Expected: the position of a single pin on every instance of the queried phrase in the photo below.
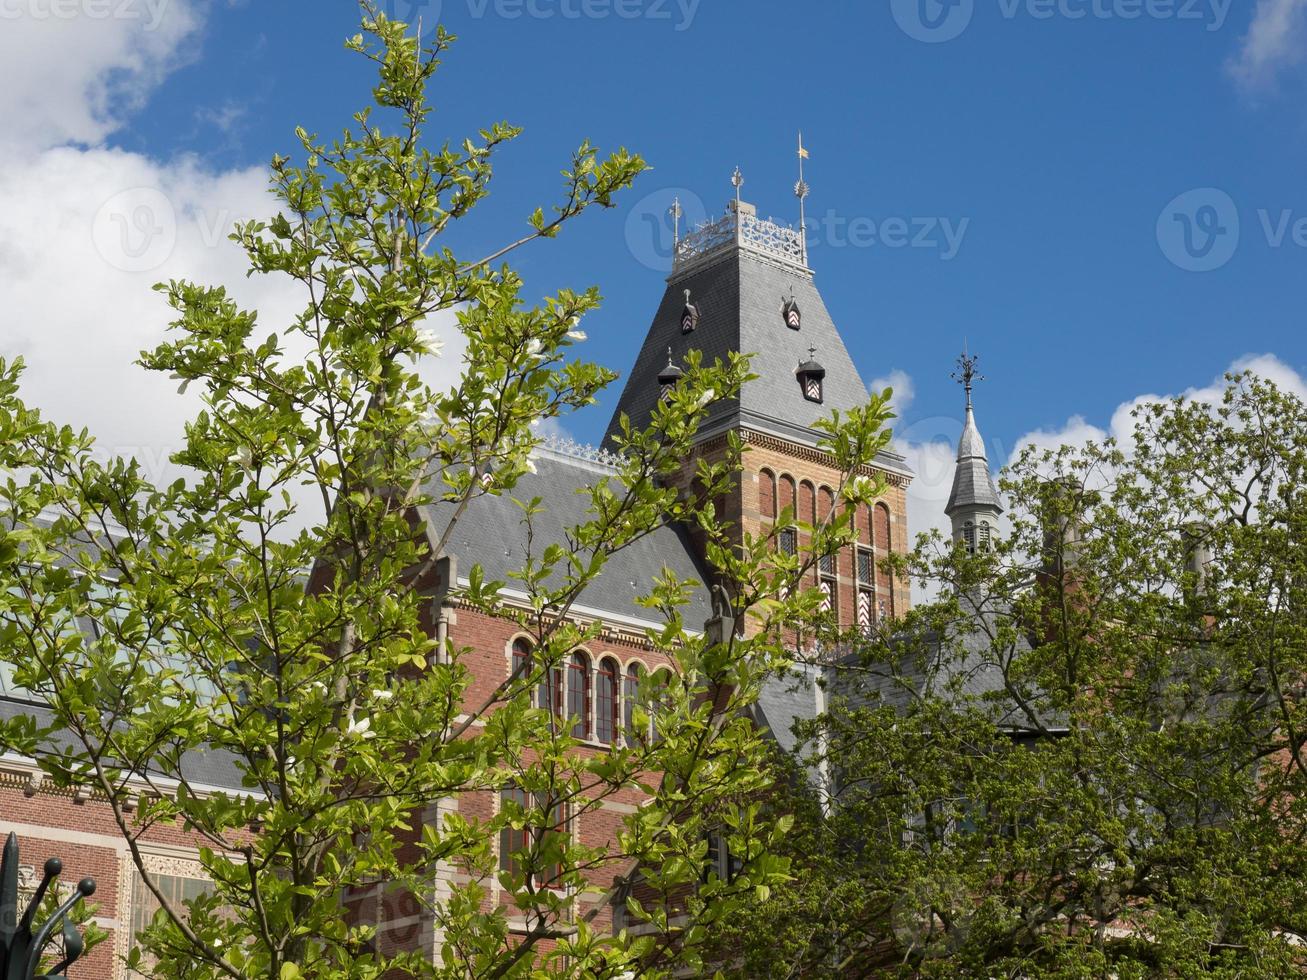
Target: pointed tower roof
(750, 290)
(973, 484)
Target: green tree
(1086, 758)
(269, 606)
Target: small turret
(973, 505)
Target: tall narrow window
(969, 537)
(866, 587)
(630, 698)
(884, 583)
(512, 842)
(555, 826)
(550, 696)
(521, 660)
(767, 494)
(578, 695)
(788, 539)
(519, 850)
(658, 701)
(828, 596)
(606, 701)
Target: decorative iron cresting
(22, 943)
(561, 446)
(763, 236)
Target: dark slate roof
(739, 294)
(492, 533)
(214, 769)
(785, 700)
(973, 484)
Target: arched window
(578, 695)
(630, 698)
(884, 541)
(788, 537)
(658, 703)
(767, 494)
(607, 700)
(969, 537)
(982, 536)
(550, 694)
(807, 511)
(521, 659)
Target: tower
(742, 283)
(973, 504)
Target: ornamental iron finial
(801, 190)
(21, 949)
(966, 374)
(677, 213)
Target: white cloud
(73, 72)
(1275, 40)
(1077, 431)
(86, 229)
(904, 391)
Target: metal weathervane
(22, 943)
(966, 374)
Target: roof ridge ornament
(569, 447)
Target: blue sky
(1067, 146)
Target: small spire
(676, 213)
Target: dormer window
(791, 314)
(811, 376)
(689, 315)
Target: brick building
(739, 284)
